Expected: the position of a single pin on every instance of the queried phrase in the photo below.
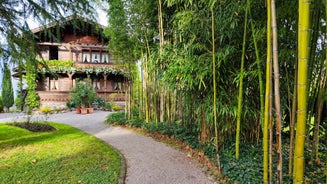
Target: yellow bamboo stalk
(267, 98)
(303, 56)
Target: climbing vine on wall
(64, 66)
(31, 100)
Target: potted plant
(75, 101)
(83, 95)
(90, 95)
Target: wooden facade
(82, 42)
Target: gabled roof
(64, 21)
(74, 24)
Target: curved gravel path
(148, 161)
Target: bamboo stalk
(292, 123)
(303, 56)
(262, 95)
(267, 98)
(277, 95)
(214, 86)
(240, 92)
(161, 88)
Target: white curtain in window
(86, 58)
(104, 58)
(95, 57)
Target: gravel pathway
(148, 161)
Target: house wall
(64, 54)
(54, 93)
(44, 53)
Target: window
(86, 57)
(95, 58)
(105, 58)
(53, 53)
(117, 85)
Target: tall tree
(303, 57)
(7, 90)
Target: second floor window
(95, 57)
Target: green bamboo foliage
(267, 98)
(303, 56)
(240, 92)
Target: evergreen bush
(1, 105)
(7, 91)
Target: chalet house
(76, 52)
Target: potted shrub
(75, 101)
(90, 95)
(83, 96)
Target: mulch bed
(35, 127)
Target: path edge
(123, 167)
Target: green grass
(63, 156)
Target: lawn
(66, 155)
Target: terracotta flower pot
(83, 111)
(90, 110)
(78, 110)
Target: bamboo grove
(235, 72)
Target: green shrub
(135, 123)
(116, 118)
(69, 104)
(108, 106)
(116, 108)
(99, 102)
(7, 90)
(45, 110)
(18, 102)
